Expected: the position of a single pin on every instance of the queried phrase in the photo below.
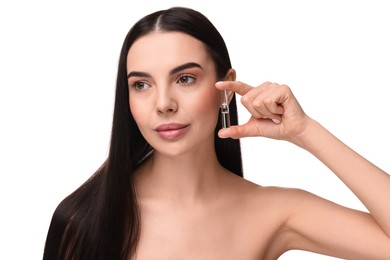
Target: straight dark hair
(100, 220)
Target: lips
(171, 130)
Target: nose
(166, 101)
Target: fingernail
(221, 133)
(218, 83)
(276, 121)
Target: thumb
(237, 131)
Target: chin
(169, 150)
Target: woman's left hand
(275, 111)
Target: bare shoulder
(264, 212)
(268, 203)
(255, 194)
(281, 203)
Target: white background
(58, 64)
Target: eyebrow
(172, 72)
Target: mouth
(171, 130)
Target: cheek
(207, 106)
(137, 111)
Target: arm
(369, 183)
(319, 225)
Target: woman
(172, 186)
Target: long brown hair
(100, 220)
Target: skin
(193, 208)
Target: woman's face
(172, 96)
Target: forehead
(166, 49)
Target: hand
(275, 111)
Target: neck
(191, 176)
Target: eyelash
(135, 86)
(192, 78)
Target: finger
(276, 111)
(257, 103)
(235, 86)
(274, 101)
(248, 99)
(268, 107)
(237, 131)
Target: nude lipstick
(171, 131)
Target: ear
(230, 76)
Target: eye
(140, 85)
(186, 80)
